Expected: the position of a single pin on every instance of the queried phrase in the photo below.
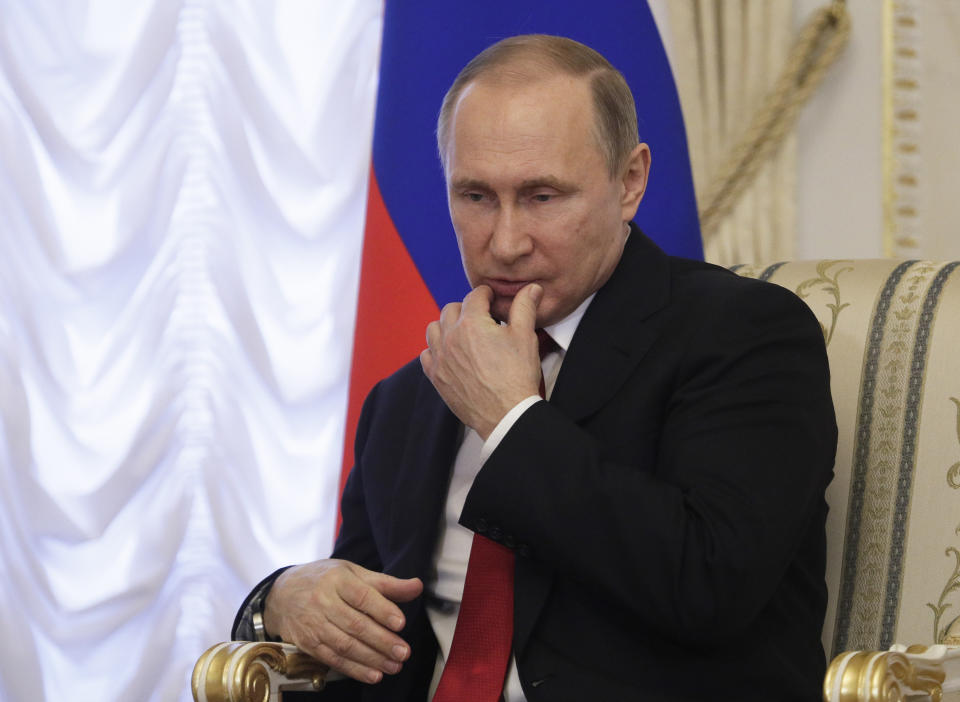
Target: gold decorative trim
(888, 676)
(950, 632)
(953, 584)
(886, 127)
(881, 454)
(953, 472)
(901, 74)
(241, 671)
(831, 286)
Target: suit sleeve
(355, 541)
(692, 534)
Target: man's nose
(509, 240)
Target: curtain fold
(181, 211)
(727, 55)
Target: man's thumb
(523, 309)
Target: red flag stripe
(394, 307)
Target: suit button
(495, 534)
(523, 550)
(509, 541)
(481, 526)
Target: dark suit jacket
(666, 506)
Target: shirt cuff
(500, 431)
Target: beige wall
(840, 191)
(839, 174)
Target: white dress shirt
(452, 551)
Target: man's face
(530, 195)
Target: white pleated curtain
(726, 56)
(182, 189)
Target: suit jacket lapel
(610, 341)
(613, 337)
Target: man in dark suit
(662, 514)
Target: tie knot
(546, 343)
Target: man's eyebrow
(469, 184)
(546, 182)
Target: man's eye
(475, 197)
(542, 197)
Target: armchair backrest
(893, 338)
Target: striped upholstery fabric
(893, 337)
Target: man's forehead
(522, 122)
(527, 111)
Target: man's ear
(634, 180)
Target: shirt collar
(562, 332)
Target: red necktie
(476, 669)
(546, 344)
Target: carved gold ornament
(889, 676)
(242, 671)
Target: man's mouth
(507, 288)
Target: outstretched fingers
(353, 643)
(344, 616)
(358, 637)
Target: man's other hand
(482, 368)
(342, 615)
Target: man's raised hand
(342, 615)
(482, 368)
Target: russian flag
(411, 265)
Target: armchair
(892, 330)
(893, 566)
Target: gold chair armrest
(243, 671)
(902, 673)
